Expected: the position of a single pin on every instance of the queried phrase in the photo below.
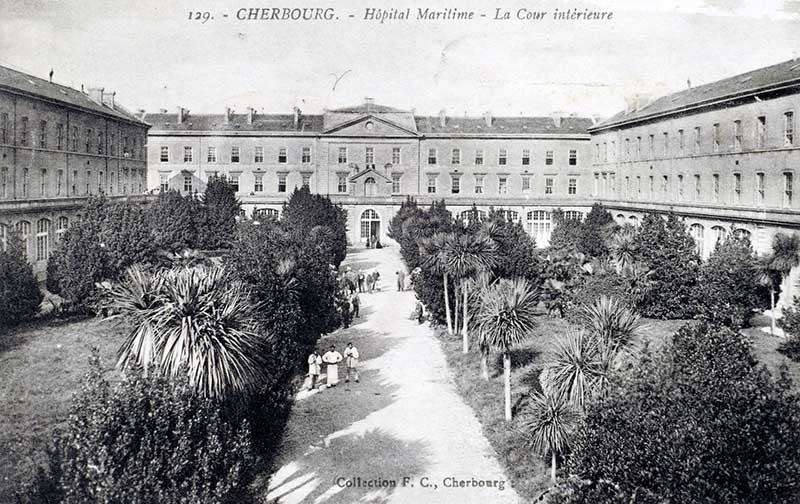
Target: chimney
(96, 94)
(250, 113)
(556, 116)
(487, 117)
(442, 118)
(228, 115)
(162, 111)
(296, 118)
(109, 98)
(689, 83)
(369, 101)
(182, 112)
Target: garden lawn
(529, 473)
(41, 366)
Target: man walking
(332, 358)
(351, 359)
(314, 365)
(356, 302)
(360, 281)
(401, 280)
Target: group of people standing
(331, 359)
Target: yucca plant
(433, 255)
(507, 318)
(574, 368)
(623, 248)
(549, 425)
(193, 320)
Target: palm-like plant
(433, 253)
(193, 320)
(507, 317)
(466, 256)
(574, 370)
(549, 426)
(623, 249)
(477, 286)
(770, 278)
(785, 256)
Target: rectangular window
(573, 157)
(75, 138)
(651, 147)
(281, 182)
(526, 157)
(715, 184)
(234, 181)
(572, 187)
(101, 183)
(627, 149)
(479, 156)
(596, 188)
(100, 143)
(737, 135)
(282, 156)
(23, 134)
(43, 183)
(715, 139)
(342, 155)
(613, 150)
(680, 187)
(759, 188)
(761, 132)
(59, 136)
(548, 158)
(432, 184)
(478, 184)
(258, 154)
(638, 187)
(638, 148)
(665, 186)
(369, 156)
(306, 180)
(396, 156)
(502, 185)
(456, 185)
(212, 154)
(89, 181)
(526, 183)
(43, 134)
(342, 184)
(187, 183)
(697, 140)
(650, 190)
(432, 156)
(548, 185)
(305, 156)
(112, 146)
(4, 128)
(455, 157)
(737, 187)
(788, 128)
(164, 154)
(681, 141)
(59, 182)
(88, 141)
(258, 185)
(697, 187)
(395, 183)
(502, 157)
(235, 153)
(788, 189)
(666, 145)
(4, 182)
(187, 154)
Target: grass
(41, 366)
(528, 471)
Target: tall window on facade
(680, 187)
(61, 227)
(395, 183)
(455, 157)
(258, 154)
(478, 184)
(761, 132)
(665, 146)
(478, 156)
(281, 182)
(100, 143)
(112, 145)
(306, 180)
(697, 187)
(369, 157)
(187, 184)
(788, 128)
(88, 141)
(4, 182)
(572, 187)
(697, 231)
(212, 154)
(282, 155)
(25, 182)
(502, 157)
(235, 153)
(75, 138)
(163, 182)
(502, 185)
(305, 156)
(342, 185)
(526, 183)
(548, 158)
(573, 157)
(42, 239)
(613, 151)
(342, 155)
(788, 188)
(548, 185)
(23, 133)
(651, 147)
(737, 135)
(597, 152)
(59, 136)
(24, 233)
(638, 187)
(715, 186)
(759, 188)
(697, 140)
(455, 188)
(187, 154)
(258, 184)
(526, 157)
(665, 186)
(638, 148)
(737, 187)
(715, 139)
(539, 226)
(43, 183)
(432, 157)
(234, 182)
(74, 185)
(396, 156)
(89, 181)
(432, 185)
(650, 190)
(4, 134)
(101, 183)
(681, 142)
(43, 134)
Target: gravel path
(401, 435)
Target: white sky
(154, 58)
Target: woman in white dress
(332, 358)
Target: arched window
(633, 220)
(510, 215)
(42, 239)
(620, 219)
(743, 233)
(718, 232)
(3, 236)
(370, 224)
(24, 232)
(473, 216)
(370, 188)
(539, 226)
(573, 215)
(697, 231)
(61, 227)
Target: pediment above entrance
(370, 125)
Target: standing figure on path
(314, 365)
(332, 358)
(401, 280)
(360, 281)
(351, 359)
(377, 280)
(356, 302)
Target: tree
(19, 292)
(506, 318)
(220, 208)
(174, 221)
(595, 231)
(433, 253)
(193, 320)
(549, 425)
(785, 256)
(564, 237)
(574, 369)
(305, 211)
(700, 421)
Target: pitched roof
(237, 122)
(504, 125)
(28, 84)
(762, 79)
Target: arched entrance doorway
(370, 188)
(370, 225)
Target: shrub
(565, 233)
(592, 287)
(701, 422)
(174, 221)
(305, 211)
(145, 439)
(19, 292)
(595, 231)
(218, 217)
